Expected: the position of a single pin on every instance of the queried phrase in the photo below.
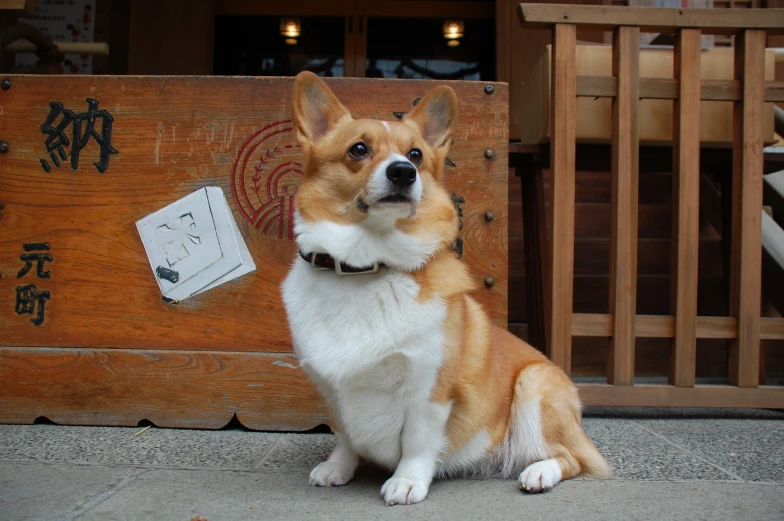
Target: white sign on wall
(64, 21)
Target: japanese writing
(83, 129)
(29, 299)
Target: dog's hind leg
(546, 434)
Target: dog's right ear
(315, 109)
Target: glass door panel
(279, 46)
(415, 48)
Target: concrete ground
(669, 464)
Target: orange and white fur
(416, 377)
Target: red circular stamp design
(265, 177)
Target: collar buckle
(339, 270)
(313, 258)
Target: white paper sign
(194, 244)
(64, 21)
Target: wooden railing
(749, 91)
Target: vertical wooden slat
(360, 46)
(562, 151)
(503, 40)
(625, 181)
(350, 45)
(747, 208)
(685, 207)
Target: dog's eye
(358, 151)
(415, 156)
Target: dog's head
(371, 190)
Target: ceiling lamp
(453, 29)
(290, 28)
(453, 43)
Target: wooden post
(685, 207)
(625, 182)
(562, 151)
(745, 295)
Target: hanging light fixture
(453, 29)
(290, 28)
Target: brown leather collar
(327, 262)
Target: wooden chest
(85, 337)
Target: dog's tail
(591, 461)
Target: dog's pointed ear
(315, 109)
(436, 117)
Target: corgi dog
(416, 377)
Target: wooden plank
(18, 7)
(653, 326)
(63, 47)
(652, 19)
(771, 328)
(765, 397)
(656, 65)
(746, 262)
(179, 389)
(666, 88)
(175, 135)
(625, 182)
(663, 326)
(685, 208)
(562, 158)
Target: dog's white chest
(370, 346)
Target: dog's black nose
(401, 173)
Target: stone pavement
(669, 464)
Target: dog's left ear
(315, 109)
(436, 117)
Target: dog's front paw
(540, 476)
(331, 474)
(403, 491)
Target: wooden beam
(764, 397)
(379, 8)
(685, 207)
(625, 182)
(663, 326)
(746, 262)
(667, 88)
(63, 47)
(289, 8)
(430, 9)
(562, 161)
(652, 19)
